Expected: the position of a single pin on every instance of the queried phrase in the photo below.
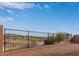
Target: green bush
(34, 40)
(60, 36)
(49, 41)
(56, 38)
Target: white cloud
(2, 8)
(6, 18)
(17, 5)
(9, 18)
(30, 5)
(38, 6)
(11, 5)
(46, 6)
(22, 5)
(9, 11)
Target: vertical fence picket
(48, 35)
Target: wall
(1, 38)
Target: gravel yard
(49, 50)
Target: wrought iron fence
(17, 39)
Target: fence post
(28, 39)
(48, 36)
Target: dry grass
(49, 50)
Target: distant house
(75, 39)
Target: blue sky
(41, 16)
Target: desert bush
(49, 41)
(34, 40)
(60, 36)
(56, 38)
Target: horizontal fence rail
(20, 39)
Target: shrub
(34, 40)
(59, 37)
(49, 41)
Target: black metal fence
(17, 39)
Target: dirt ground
(49, 50)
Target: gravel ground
(49, 50)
